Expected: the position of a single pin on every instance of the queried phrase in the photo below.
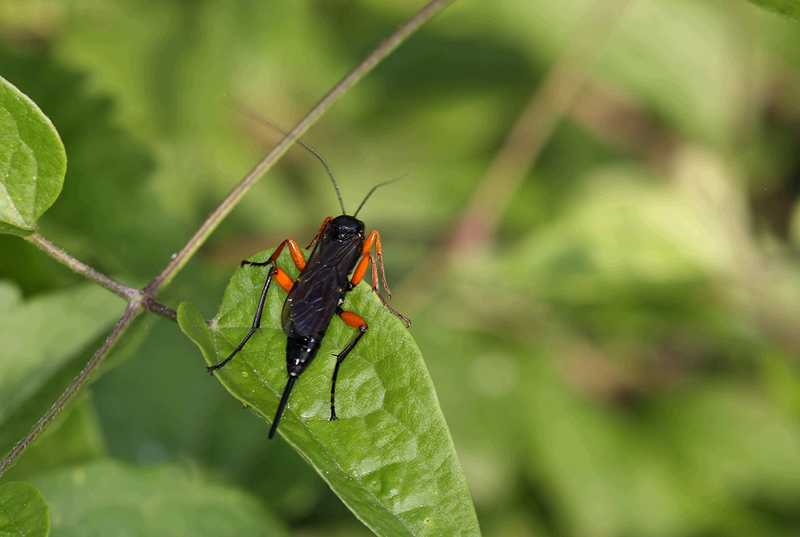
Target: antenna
(376, 187)
(264, 120)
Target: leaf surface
(23, 511)
(108, 497)
(389, 457)
(32, 161)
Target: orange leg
(294, 250)
(355, 321)
(375, 238)
(370, 241)
(283, 279)
(320, 231)
(361, 269)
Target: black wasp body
(319, 291)
(340, 248)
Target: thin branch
(154, 306)
(131, 312)
(81, 268)
(202, 234)
(120, 289)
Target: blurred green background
(613, 331)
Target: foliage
(23, 511)
(617, 357)
(33, 161)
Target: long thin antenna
(376, 187)
(264, 120)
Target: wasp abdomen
(300, 352)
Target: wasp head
(346, 227)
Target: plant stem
(81, 268)
(205, 230)
(120, 289)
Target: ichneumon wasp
(341, 248)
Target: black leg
(255, 263)
(256, 321)
(362, 329)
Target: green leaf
(32, 161)
(389, 457)
(165, 500)
(41, 335)
(23, 511)
(787, 8)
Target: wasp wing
(313, 300)
(311, 303)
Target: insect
(341, 248)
